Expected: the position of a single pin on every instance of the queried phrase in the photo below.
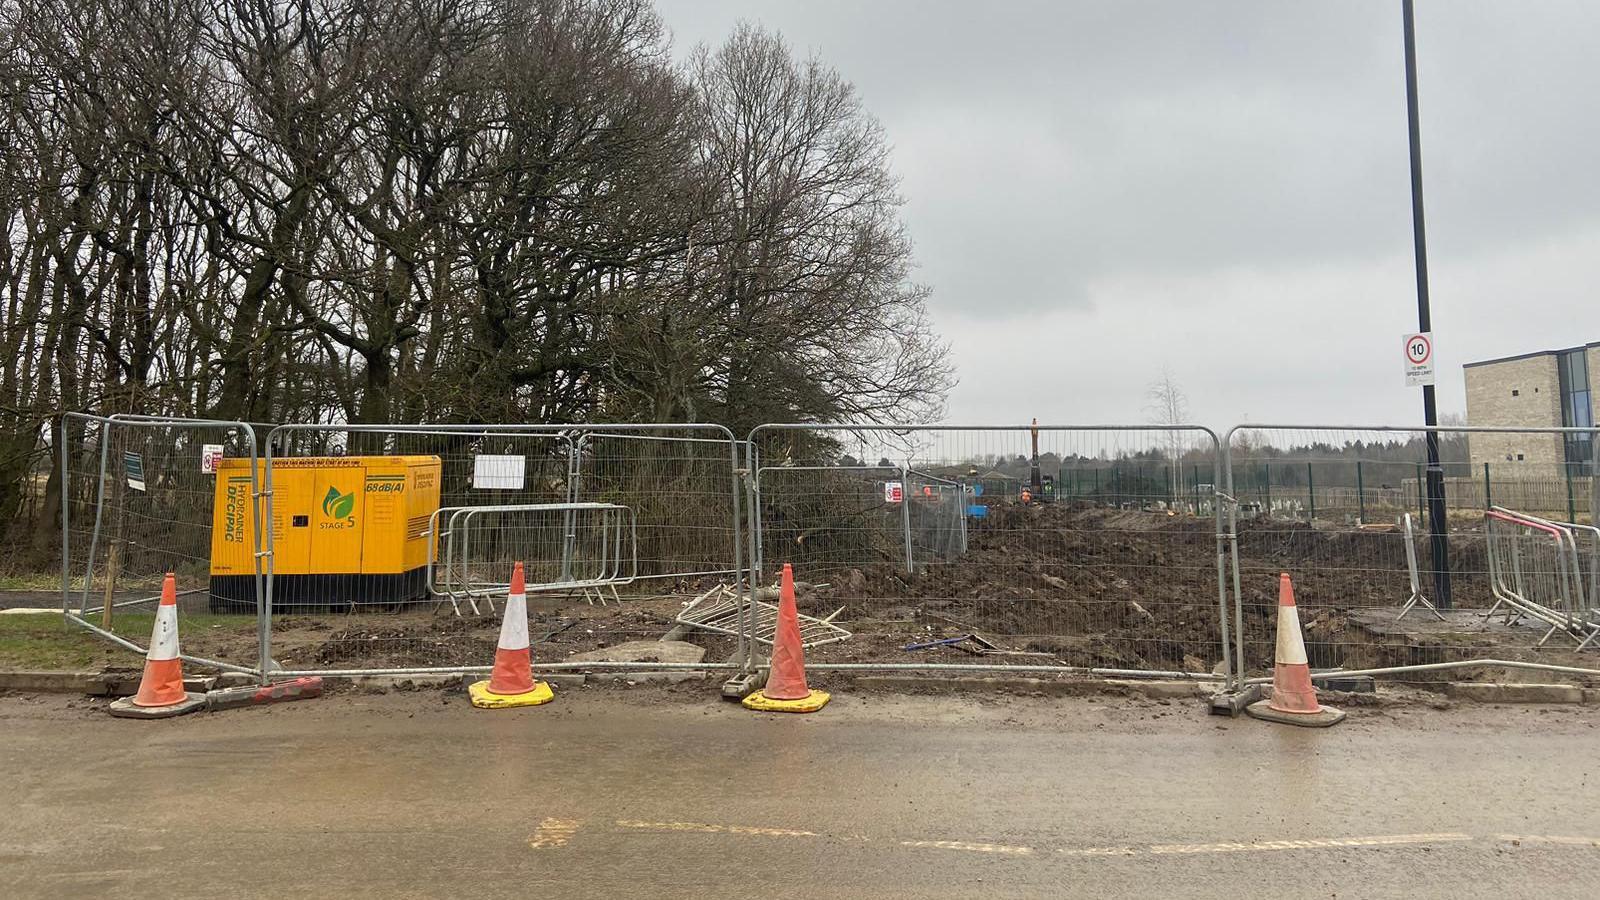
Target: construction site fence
(1382, 587)
(137, 502)
(1105, 549)
(592, 512)
(1024, 547)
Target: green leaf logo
(338, 506)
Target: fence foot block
(741, 686)
(1233, 703)
(256, 695)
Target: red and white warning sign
(893, 492)
(1419, 358)
(210, 455)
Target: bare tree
(1167, 404)
(805, 278)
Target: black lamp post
(1438, 527)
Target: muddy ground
(1038, 585)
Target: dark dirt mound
(1139, 589)
(1085, 586)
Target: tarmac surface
(657, 792)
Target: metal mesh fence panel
(392, 546)
(678, 483)
(966, 546)
(1327, 505)
(144, 497)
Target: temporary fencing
(329, 548)
(956, 547)
(1535, 572)
(1335, 506)
(590, 512)
(141, 498)
(592, 548)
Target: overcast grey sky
(1098, 189)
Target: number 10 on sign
(1419, 358)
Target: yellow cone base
(483, 698)
(1263, 710)
(127, 709)
(811, 702)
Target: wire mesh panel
(382, 534)
(951, 545)
(1586, 542)
(678, 482)
(1328, 506)
(936, 515)
(144, 497)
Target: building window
(1519, 456)
(1514, 392)
(1576, 411)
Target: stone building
(1544, 389)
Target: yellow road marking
(705, 828)
(969, 845)
(1386, 840)
(553, 833)
(1562, 840)
(1098, 851)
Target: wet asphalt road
(651, 793)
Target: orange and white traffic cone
(1294, 697)
(161, 692)
(511, 681)
(786, 689)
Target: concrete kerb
(114, 683)
(1522, 693)
(919, 684)
(108, 683)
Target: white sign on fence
(893, 492)
(133, 465)
(1419, 358)
(210, 455)
(498, 473)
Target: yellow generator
(346, 531)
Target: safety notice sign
(210, 455)
(1419, 358)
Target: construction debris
(718, 610)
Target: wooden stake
(113, 559)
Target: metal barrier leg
(1415, 600)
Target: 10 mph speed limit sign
(1419, 358)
